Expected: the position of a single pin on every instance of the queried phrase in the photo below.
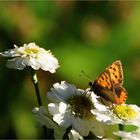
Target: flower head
(30, 55)
(72, 107)
(118, 114)
(133, 135)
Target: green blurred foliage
(83, 35)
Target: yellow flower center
(28, 52)
(80, 106)
(124, 112)
(31, 51)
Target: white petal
(59, 118)
(62, 107)
(133, 135)
(43, 118)
(66, 88)
(102, 116)
(63, 120)
(67, 120)
(81, 127)
(52, 96)
(100, 106)
(53, 108)
(15, 63)
(135, 107)
(93, 97)
(73, 135)
(61, 91)
(135, 122)
(97, 128)
(48, 62)
(34, 64)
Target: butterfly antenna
(86, 75)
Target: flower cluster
(82, 110)
(72, 112)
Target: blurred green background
(86, 36)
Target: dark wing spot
(102, 77)
(114, 69)
(106, 76)
(109, 84)
(115, 76)
(106, 80)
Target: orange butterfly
(109, 84)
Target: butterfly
(109, 84)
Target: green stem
(65, 137)
(121, 128)
(35, 82)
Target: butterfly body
(109, 84)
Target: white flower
(118, 114)
(71, 107)
(31, 55)
(134, 135)
(43, 118)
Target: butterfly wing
(116, 72)
(103, 87)
(120, 95)
(104, 81)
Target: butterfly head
(91, 84)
